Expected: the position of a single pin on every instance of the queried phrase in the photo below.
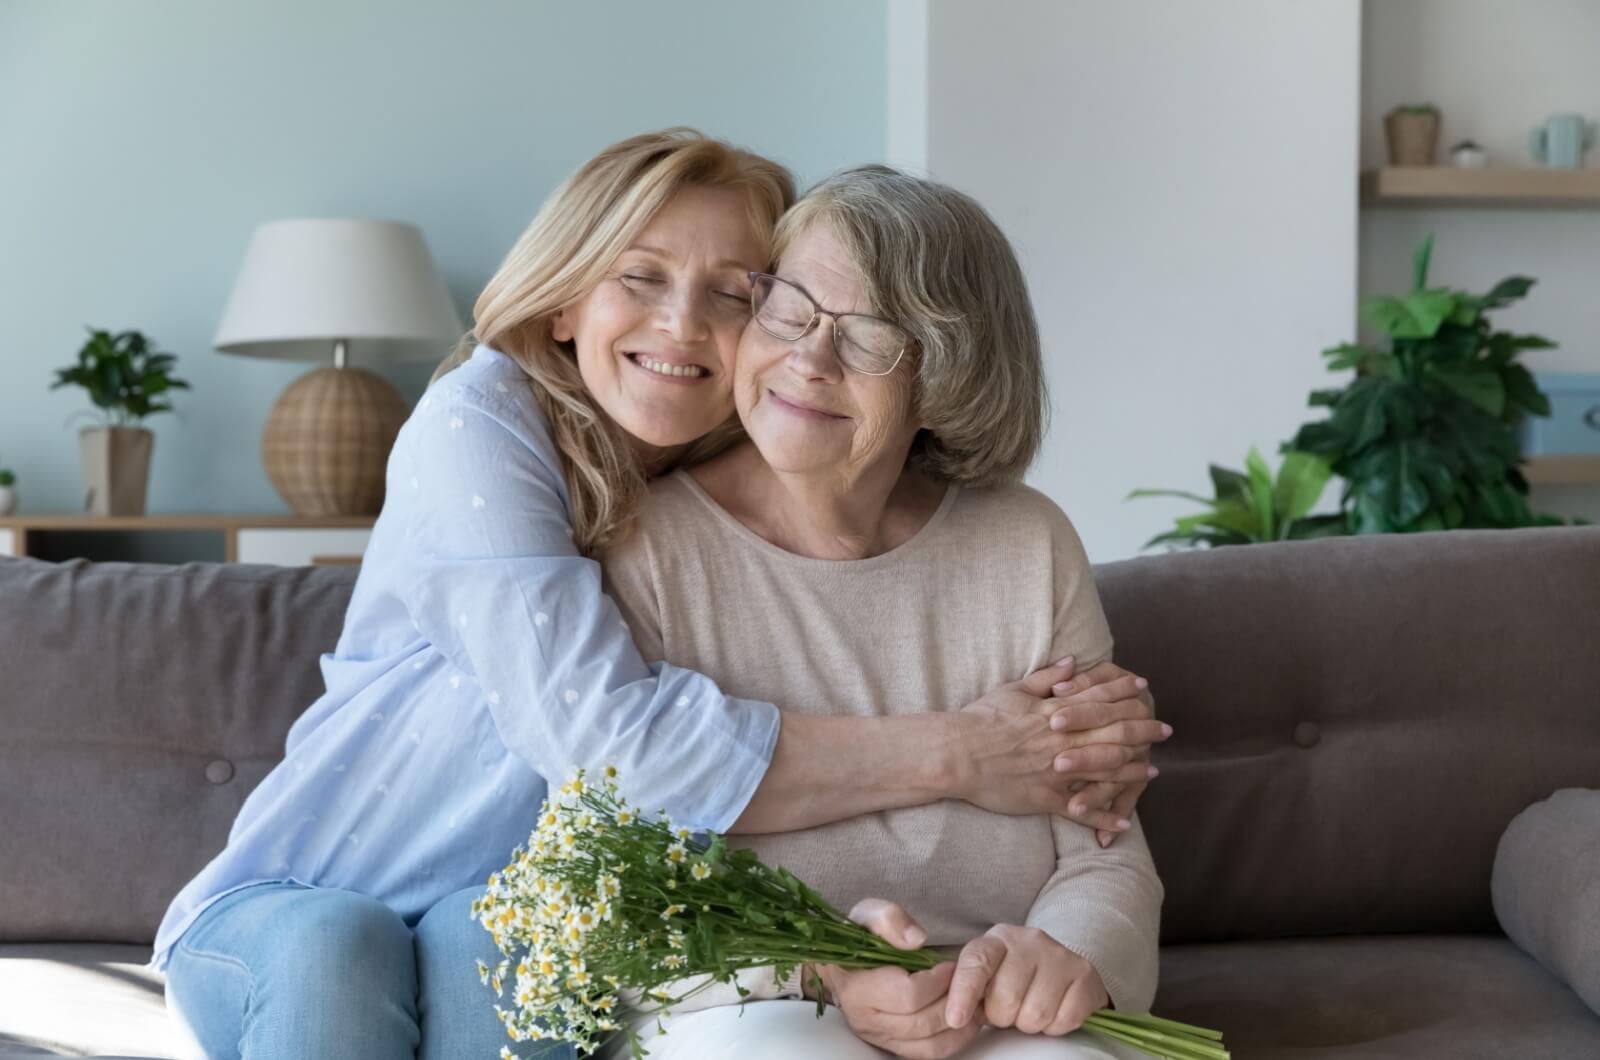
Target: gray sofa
(1358, 722)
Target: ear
(561, 326)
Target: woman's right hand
(897, 1011)
(1008, 759)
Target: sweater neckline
(748, 537)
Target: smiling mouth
(666, 369)
(806, 411)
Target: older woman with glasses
(870, 544)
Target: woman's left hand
(1023, 978)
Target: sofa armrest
(1546, 887)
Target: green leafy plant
(1250, 507)
(124, 374)
(7, 478)
(1425, 434)
(1416, 108)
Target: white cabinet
(296, 547)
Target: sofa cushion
(1395, 997)
(1355, 720)
(81, 999)
(141, 704)
(1546, 887)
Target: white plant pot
(8, 499)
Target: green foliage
(1425, 433)
(7, 478)
(124, 374)
(1251, 507)
(1417, 108)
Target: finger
(1128, 733)
(1040, 682)
(1095, 761)
(979, 960)
(1009, 986)
(1128, 686)
(1122, 806)
(1042, 1003)
(945, 1043)
(1098, 674)
(1081, 1001)
(925, 1021)
(890, 922)
(1070, 715)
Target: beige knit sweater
(994, 586)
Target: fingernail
(1075, 809)
(916, 936)
(1141, 682)
(1061, 688)
(1152, 772)
(958, 1018)
(1058, 724)
(1166, 730)
(1103, 840)
(1066, 661)
(1124, 824)
(1063, 765)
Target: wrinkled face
(656, 339)
(806, 411)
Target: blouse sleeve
(491, 578)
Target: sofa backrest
(1357, 720)
(139, 705)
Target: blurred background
(1181, 181)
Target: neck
(834, 516)
(657, 459)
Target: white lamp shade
(307, 283)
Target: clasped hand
(1011, 976)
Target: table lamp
(314, 290)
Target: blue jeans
(280, 971)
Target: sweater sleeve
(492, 579)
(1103, 905)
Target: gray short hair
(935, 262)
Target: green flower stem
(1160, 1043)
(1148, 1020)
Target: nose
(682, 317)
(813, 356)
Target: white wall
(1180, 182)
(1494, 69)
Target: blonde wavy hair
(935, 262)
(563, 255)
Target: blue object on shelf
(1573, 427)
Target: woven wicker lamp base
(327, 441)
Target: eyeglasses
(865, 344)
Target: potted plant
(1425, 433)
(1413, 134)
(8, 492)
(125, 377)
(1251, 507)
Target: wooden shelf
(1503, 188)
(1562, 470)
(287, 539)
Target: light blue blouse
(479, 657)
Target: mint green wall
(140, 144)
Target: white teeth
(690, 371)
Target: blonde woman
(479, 655)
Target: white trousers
(790, 1030)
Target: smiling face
(656, 339)
(804, 410)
